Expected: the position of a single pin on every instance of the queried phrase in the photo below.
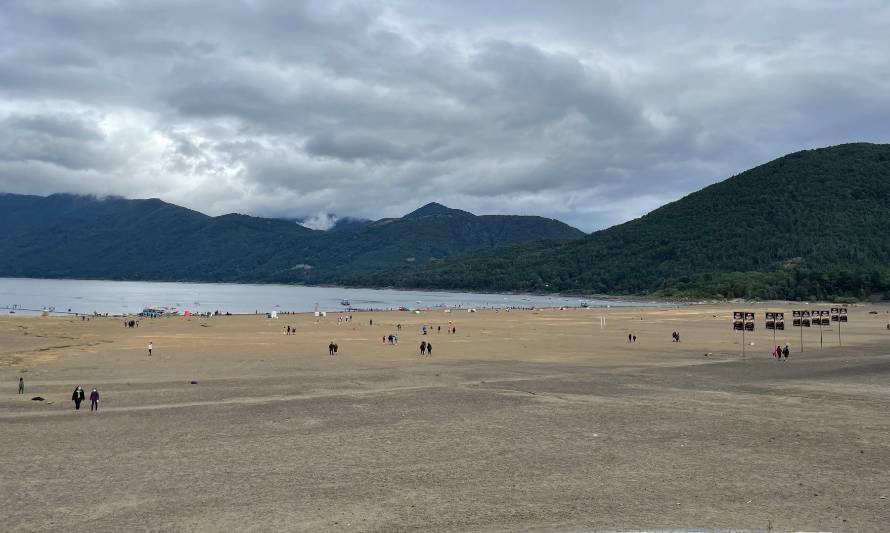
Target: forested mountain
(68, 236)
(350, 224)
(814, 223)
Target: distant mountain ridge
(812, 224)
(435, 209)
(350, 224)
(70, 236)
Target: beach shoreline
(525, 420)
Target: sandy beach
(520, 421)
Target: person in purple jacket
(77, 397)
(94, 400)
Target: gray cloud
(351, 147)
(65, 141)
(588, 112)
(59, 126)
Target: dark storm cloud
(589, 112)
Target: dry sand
(524, 420)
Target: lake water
(130, 297)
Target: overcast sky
(592, 112)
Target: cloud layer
(590, 112)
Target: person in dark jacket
(78, 397)
(429, 349)
(423, 348)
(94, 400)
(21, 385)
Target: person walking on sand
(785, 351)
(94, 400)
(150, 348)
(429, 349)
(21, 385)
(78, 397)
(331, 348)
(423, 348)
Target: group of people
(676, 336)
(631, 337)
(78, 397)
(425, 329)
(332, 348)
(779, 352)
(131, 323)
(290, 330)
(426, 348)
(391, 339)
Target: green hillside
(814, 223)
(65, 236)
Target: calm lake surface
(126, 297)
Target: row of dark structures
(744, 320)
